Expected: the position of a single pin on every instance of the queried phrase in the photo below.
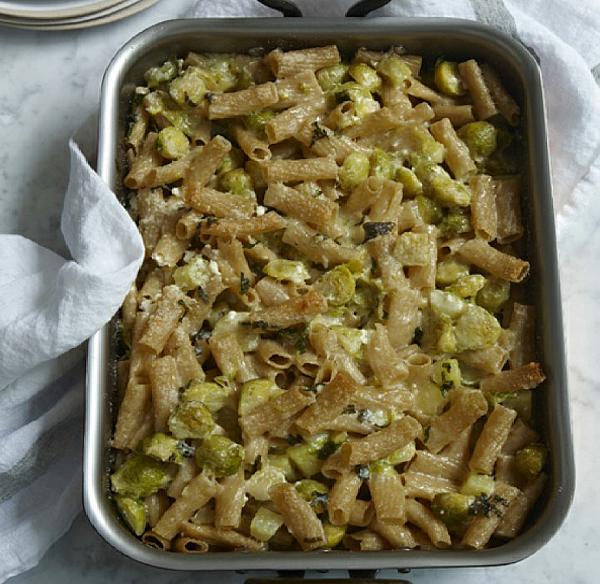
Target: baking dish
(455, 39)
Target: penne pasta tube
(298, 516)
(525, 377)
(472, 77)
(195, 495)
(495, 262)
(382, 443)
(245, 101)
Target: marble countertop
(49, 87)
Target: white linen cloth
(50, 305)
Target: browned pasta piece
(492, 438)
(522, 325)
(243, 228)
(294, 311)
(466, 407)
(195, 495)
(525, 377)
(508, 209)
(483, 526)
(425, 486)
(503, 100)
(153, 540)
(132, 412)
(361, 513)
(308, 169)
(389, 368)
(459, 115)
(316, 246)
(380, 121)
(165, 383)
(330, 402)
(186, 472)
(288, 123)
(228, 538)
(472, 77)
(398, 536)
(245, 101)
(517, 512)
(203, 164)
(285, 64)
(275, 411)
(495, 262)
(520, 435)
(190, 545)
(254, 147)
(299, 516)
(484, 217)
(211, 202)
(300, 205)
(365, 541)
(143, 163)
(230, 500)
(342, 497)
(490, 360)
(294, 90)
(421, 516)
(387, 494)
(457, 155)
(381, 444)
(169, 310)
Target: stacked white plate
(66, 14)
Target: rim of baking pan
(98, 507)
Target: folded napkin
(50, 305)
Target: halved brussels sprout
(255, 393)
(189, 86)
(331, 77)
(480, 138)
(446, 374)
(163, 74)
(256, 121)
(264, 524)
(447, 78)
(365, 76)
(452, 508)
(494, 295)
(172, 143)
(315, 493)
(237, 181)
(394, 70)
(220, 455)
(530, 460)
(382, 164)
(476, 329)
(450, 270)
(478, 484)
(292, 271)
(412, 185)
(133, 512)
(354, 170)
(191, 419)
(333, 534)
(163, 447)
(467, 286)
(337, 286)
(212, 395)
(140, 476)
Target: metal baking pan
(457, 39)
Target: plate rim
(89, 8)
(77, 24)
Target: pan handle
(288, 8)
(364, 7)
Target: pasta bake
(329, 345)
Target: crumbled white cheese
(260, 210)
(214, 268)
(176, 192)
